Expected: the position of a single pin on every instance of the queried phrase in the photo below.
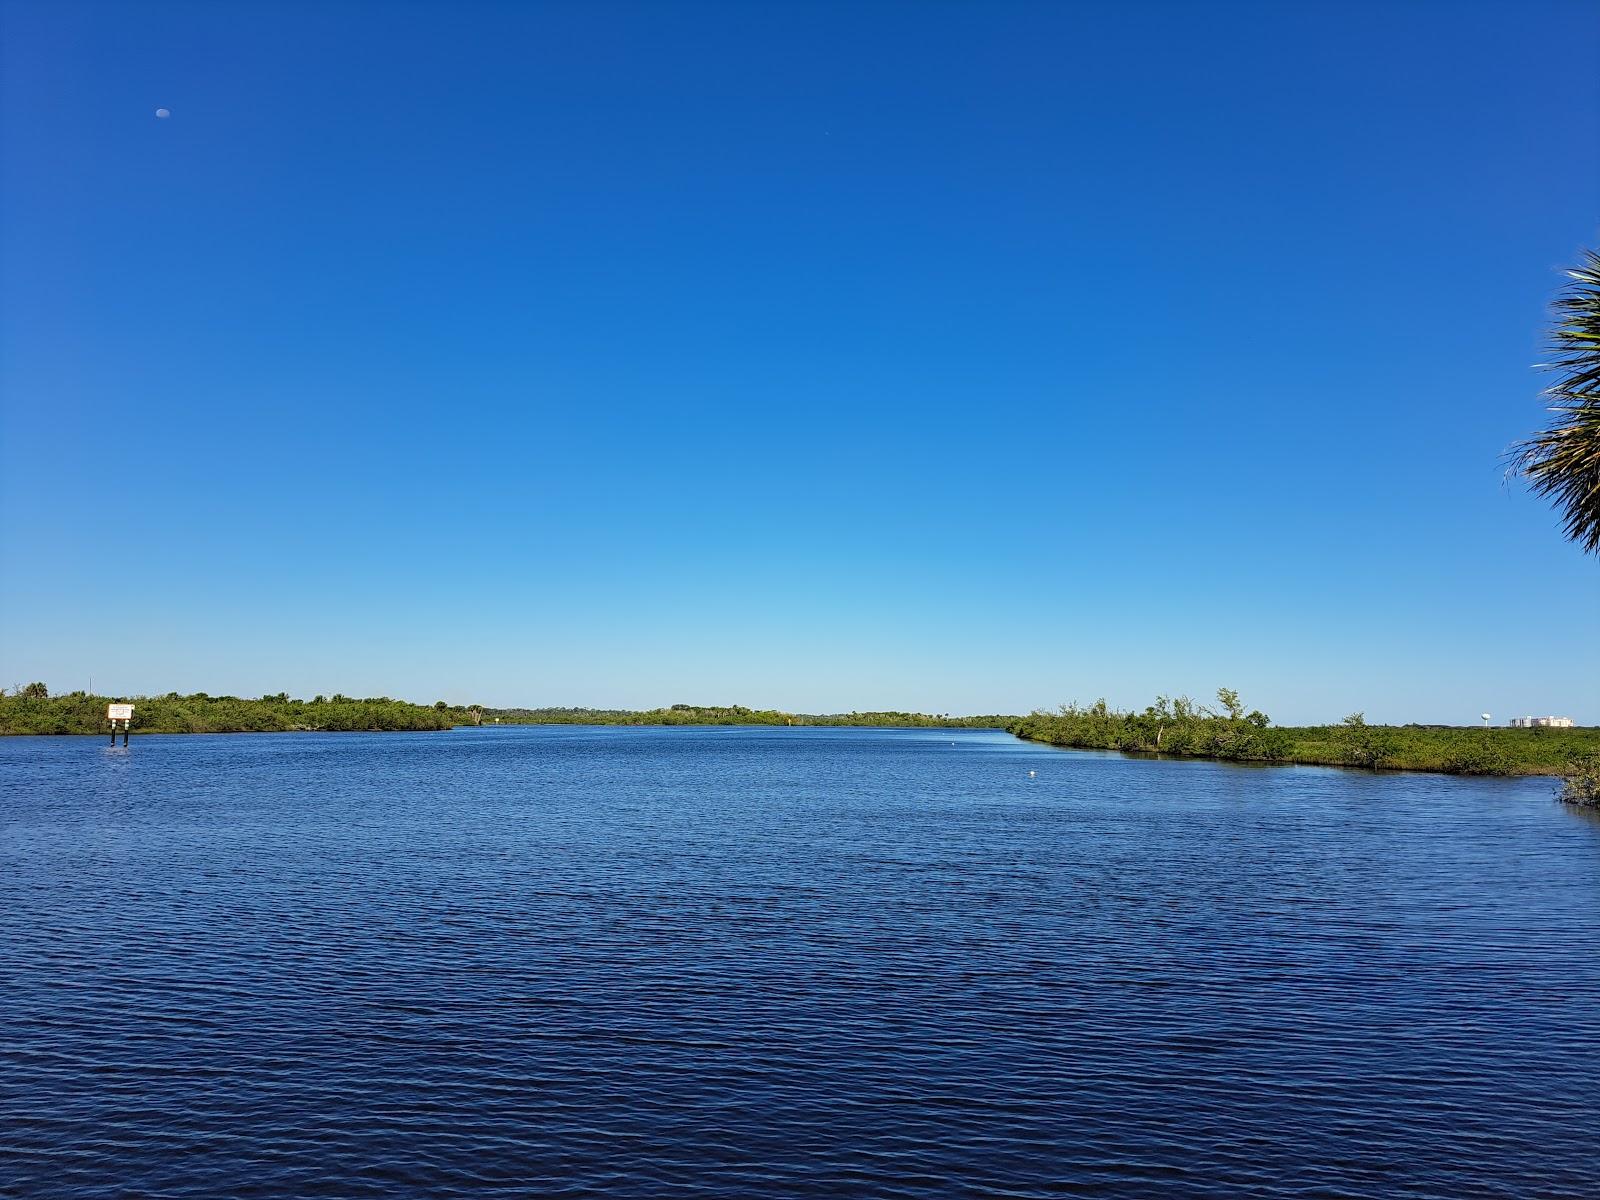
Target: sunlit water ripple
(712, 962)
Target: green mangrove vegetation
(1183, 728)
(32, 709)
(1171, 726)
(733, 714)
(1581, 786)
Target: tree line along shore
(1177, 727)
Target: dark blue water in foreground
(711, 962)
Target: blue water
(769, 962)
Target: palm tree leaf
(1562, 461)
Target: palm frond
(1562, 462)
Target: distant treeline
(1178, 727)
(1182, 727)
(731, 714)
(32, 709)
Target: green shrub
(1582, 785)
(1477, 757)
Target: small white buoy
(163, 113)
(1031, 774)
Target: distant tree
(1563, 461)
(1229, 699)
(35, 691)
(440, 705)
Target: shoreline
(1170, 728)
(1545, 772)
(1507, 771)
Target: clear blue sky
(952, 357)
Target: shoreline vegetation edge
(1170, 728)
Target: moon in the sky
(163, 113)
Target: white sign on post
(119, 712)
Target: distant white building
(1541, 722)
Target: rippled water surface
(772, 962)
